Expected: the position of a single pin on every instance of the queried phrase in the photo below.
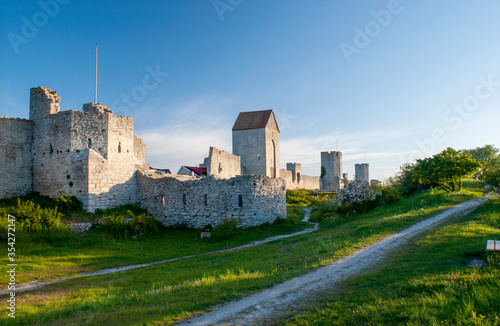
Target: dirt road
(281, 298)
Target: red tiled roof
(196, 170)
(253, 120)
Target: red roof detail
(196, 170)
(254, 120)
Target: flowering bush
(357, 197)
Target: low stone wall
(195, 203)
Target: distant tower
(362, 172)
(331, 171)
(256, 141)
(296, 169)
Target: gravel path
(280, 299)
(33, 285)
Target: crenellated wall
(180, 200)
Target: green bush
(491, 177)
(65, 204)
(113, 225)
(305, 197)
(130, 210)
(137, 227)
(227, 228)
(143, 225)
(32, 218)
(69, 204)
(298, 197)
(357, 197)
(390, 194)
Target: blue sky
(390, 81)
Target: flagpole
(95, 89)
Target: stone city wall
(16, 173)
(294, 181)
(199, 202)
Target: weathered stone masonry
(196, 202)
(95, 155)
(16, 172)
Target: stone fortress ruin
(95, 155)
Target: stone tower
(93, 153)
(331, 171)
(256, 141)
(296, 169)
(362, 172)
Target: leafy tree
(488, 154)
(492, 178)
(445, 170)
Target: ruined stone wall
(223, 165)
(58, 166)
(139, 149)
(16, 162)
(195, 203)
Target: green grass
(165, 293)
(427, 282)
(67, 255)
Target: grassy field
(166, 293)
(74, 254)
(427, 282)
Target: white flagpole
(95, 89)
